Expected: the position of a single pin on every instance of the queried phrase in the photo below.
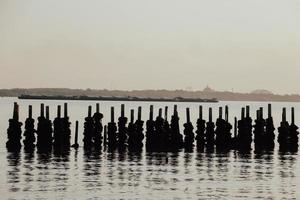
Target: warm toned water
(102, 175)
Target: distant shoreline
(152, 94)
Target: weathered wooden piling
(139, 135)
(270, 136)
(188, 132)
(66, 131)
(44, 131)
(98, 127)
(76, 145)
(210, 129)
(222, 132)
(122, 129)
(151, 136)
(29, 131)
(176, 139)
(200, 132)
(161, 139)
(112, 130)
(244, 138)
(14, 132)
(259, 130)
(89, 128)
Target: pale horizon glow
(151, 44)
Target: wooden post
(47, 113)
(261, 112)
(42, 110)
(220, 112)
(132, 116)
(112, 114)
(243, 113)
(65, 110)
(258, 114)
(226, 113)
(58, 111)
(166, 113)
(210, 114)
(235, 127)
(175, 110)
(160, 112)
(269, 110)
(97, 107)
(293, 115)
(16, 112)
(90, 111)
(30, 111)
(122, 110)
(284, 114)
(105, 135)
(188, 119)
(151, 113)
(76, 133)
(139, 113)
(200, 112)
(247, 111)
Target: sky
(238, 45)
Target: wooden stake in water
(65, 110)
(226, 113)
(122, 110)
(47, 113)
(200, 112)
(243, 113)
(210, 114)
(220, 112)
(160, 112)
(188, 119)
(132, 116)
(166, 113)
(284, 114)
(293, 115)
(261, 112)
(90, 111)
(258, 114)
(112, 114)
(139, 113)
(16, 112)
(235, 127)
(58, 111)
(30, 111)
(42, 110)
(247, 111)
(76, 134)
(175, 110)
(151, 113)
(269, 110)
(105, 135)
(97, 107)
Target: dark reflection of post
(92, 168)
(28, 167)
(13, 171)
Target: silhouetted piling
(66, 128)
(223, 128)
(76, 145)
(112, 131)
(29, 132)
(137, 136)
(14, 132)
(44, 131)
(188, 131)
(89, 129)
(176, 139)
(160, 140)
(244, 138)
(210, 129)
(122, 134)
(98, 127)
(151, 136)
(259, 130)
(200, 132)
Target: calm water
(103, 175)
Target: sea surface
(179, 175)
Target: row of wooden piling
(160, 134)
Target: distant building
(208, 89)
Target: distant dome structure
(208, 89)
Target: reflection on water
(79, 174)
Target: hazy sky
(151, 44)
